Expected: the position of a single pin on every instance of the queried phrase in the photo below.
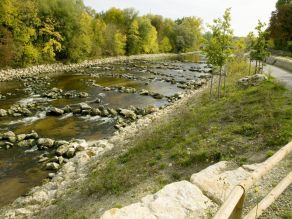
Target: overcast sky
(245, 13)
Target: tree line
(280, 27)
(45, 31)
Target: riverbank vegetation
(245, 125)
(45, 31)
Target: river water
(19, 167)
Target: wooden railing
(232, 207)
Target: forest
(44, 31)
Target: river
(109, 86)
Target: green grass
(287, 215)
(244, 122)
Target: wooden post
(270, 198)
(230, 203)
(237, 212)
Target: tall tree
(134, 39)
(148, 36)
(188, 34)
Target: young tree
(259, 49)
(218, 49)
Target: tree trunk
(224, 86)
(249, 67)
(211, 88)
(219, 84)
(256, 67)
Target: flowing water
(19, 168)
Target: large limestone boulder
(218, 180)
(178, 200)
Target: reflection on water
(20, 171)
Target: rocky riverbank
(9, 74)
(76, 168)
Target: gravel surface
(283, 204)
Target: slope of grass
(246, 125)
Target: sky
(245, 13)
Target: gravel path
(284, 203)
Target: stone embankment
(197, 198)
(75, 170)
(281, 62)
(9, 74)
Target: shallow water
(19, 170)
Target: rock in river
(45, 142)
(128, 114)
(3, 112)
(52, 166)
(84, 106)
(55, 112)
(26, 143)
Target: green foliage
(187, 34)
(218, 50)
(51, 40)
(81, 44)
(165, 45)
(281, 3)
(259, 47)
(44, 31)
(148, 36)
(287, 215)
(219, 47)
(280, 27)
(134, 40)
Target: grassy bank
(246, 125)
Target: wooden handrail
(232, 207)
